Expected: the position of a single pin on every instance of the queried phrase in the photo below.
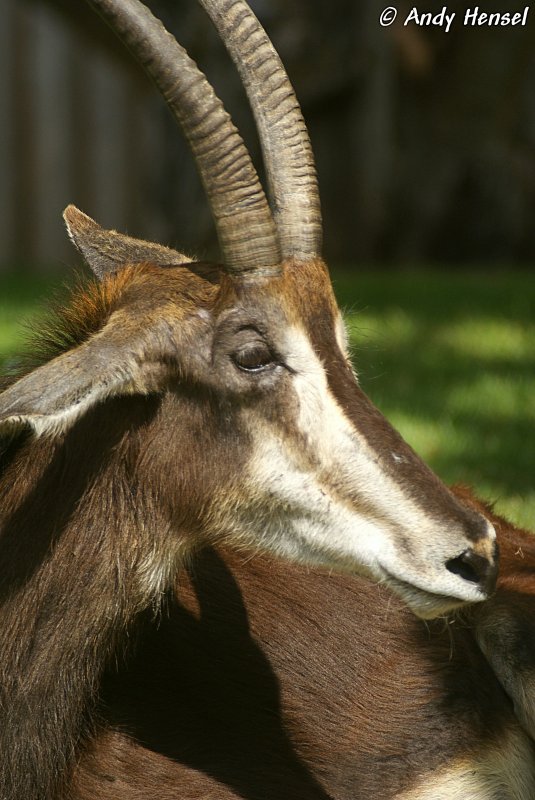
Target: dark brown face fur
(319, 314)
(422, 516)
(172, 412)
(257, 369)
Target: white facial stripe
(303, 521)
(330, 502)
(503, 770)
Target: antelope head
(261, 433)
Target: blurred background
(425, 141)
(425, 147)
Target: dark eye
(254, 357)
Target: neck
(76, 543)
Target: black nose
(475, 568)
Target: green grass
(19, 304)
(448, 358)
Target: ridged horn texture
(288, 156)
(243, 219)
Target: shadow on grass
(452, 365)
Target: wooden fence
(77, 124)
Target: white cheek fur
(323, 497)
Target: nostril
(474, 568)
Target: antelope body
(177, 404)
(268, 680)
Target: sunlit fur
(504, 770)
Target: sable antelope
(177, 404)
(267, 680)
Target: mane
(53, 579)
(72, 317)
(69, 319)
(81, 309)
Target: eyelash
(258, 356)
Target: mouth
(426, 604)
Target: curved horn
(288, 156)
(244, 223)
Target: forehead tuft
(309, 296)
(302, 292)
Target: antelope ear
(52, 397)
(505, 631)
(105, 251)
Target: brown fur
(82, 513)
(97, 517)
(78, 524)
(264, 680)
(127, 435)
(71, 320)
